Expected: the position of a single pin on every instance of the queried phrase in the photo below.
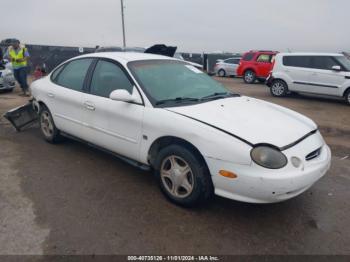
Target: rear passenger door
(65, 96)
(324, 80)
(232, 65)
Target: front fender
(210, 142)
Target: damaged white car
(160, 113)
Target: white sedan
(164, 114)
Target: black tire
(347, 96)
(279, 88)
(202, 187)
(222, 73)
(51, 134)
(249, 77)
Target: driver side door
(114, 125)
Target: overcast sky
(192, 25)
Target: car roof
(127, 56)
(309, 54)
(262, 51)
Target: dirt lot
(72, 199)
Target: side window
(108, 77)
(248, 57)
(297, 61)
(73, 74)
(264, 58)
(236, 61)
(323, 62)
(229, 61)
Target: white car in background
(314, 73)
(164, 114)
(227, 67)
(180, 57)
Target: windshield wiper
(177, 100)
(219, 96)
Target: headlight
(268, 157)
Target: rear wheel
(347, 96)
(183, 177)
(47, 126)
(222, 73)
(279, 88)
(249, 77)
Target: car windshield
(175, 82)
(345, 62)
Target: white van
(316, 73)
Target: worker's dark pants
(21, 77)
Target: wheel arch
(249, 69)
(346, 90)
(165, 141)
(280, 79)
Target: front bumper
(7, 83)
(255, 184)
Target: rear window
(248, 57)
(297, 61)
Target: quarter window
(248, 57)
(108, 77)
(73, 74)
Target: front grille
(313, 154)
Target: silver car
(227, 67)
(7, 80)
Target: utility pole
(123, 24)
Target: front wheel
(183, 177)
(279, 88)
(249, 77)
(47, 126)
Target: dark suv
(256, 65)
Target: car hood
(251, 120)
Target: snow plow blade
(22, 116)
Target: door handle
(89, 106)
(314, 74)
(50, 95)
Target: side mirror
(121, 95)
(336, 68)
(125, 96)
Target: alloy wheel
(46, 124)
(177, 176)
(249, 77)
(278, 89)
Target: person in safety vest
(19, 55)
